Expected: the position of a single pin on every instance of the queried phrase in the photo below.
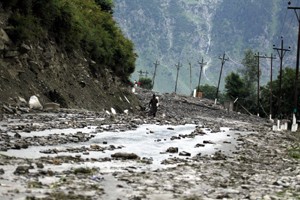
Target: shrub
(146, 83)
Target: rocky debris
(184, 153)
(22, 169)
(172, 150)
(125, 156)
(262, 159)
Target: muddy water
(147, 141)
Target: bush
(146, 83)
(24, 28)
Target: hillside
(185, 31)
(68, 52)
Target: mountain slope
(64, 51)
(185, 31)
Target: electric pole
(281, 53)
(154, 74)
(223, 60)
(258, 75)
(190, 64)
(202, 64)
(271, 80)
(146, 73)
(140, 74)
(178, 67)
(297, 62)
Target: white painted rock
(34, 103)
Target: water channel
(147, 141)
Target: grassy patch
(84, 170)
(294, 152)
(62, 196)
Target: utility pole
(223, 60)
(140, 73)
(146, 73)
(202, 64)
(258, 75)
(190, 64)
(154, 74)
(178, 67)
(281, 52)
(297, 61)
(271, 80)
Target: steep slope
(185, 31)
(43, 65)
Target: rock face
(66, 78)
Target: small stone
(184, 153)
(21, 170)
(172, 150)
(125, 156)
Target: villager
(153, 105)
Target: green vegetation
(146, 83)
(244, 87)
(208, 91)
(63, 196)
(295, 152)
(75, 25)
(84, 170)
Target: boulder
(51, 106)
(184, 153)
(172, 150)
(22, 169)
(34, 103)
(125, 156)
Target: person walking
(153, 105)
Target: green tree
(146, 83)
(287, 102)
(234, 86)
(106, 5)
(249, 77)
(208, 91)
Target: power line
(283, 24)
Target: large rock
(125, 156)
(22, 169)
(51, 106)
(4, 39)
(34, 103)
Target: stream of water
(149, 141)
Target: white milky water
(149, 141)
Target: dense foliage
(244, 88)
(146, 83)
(74, 24)
(287, 99)
(208, 91)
